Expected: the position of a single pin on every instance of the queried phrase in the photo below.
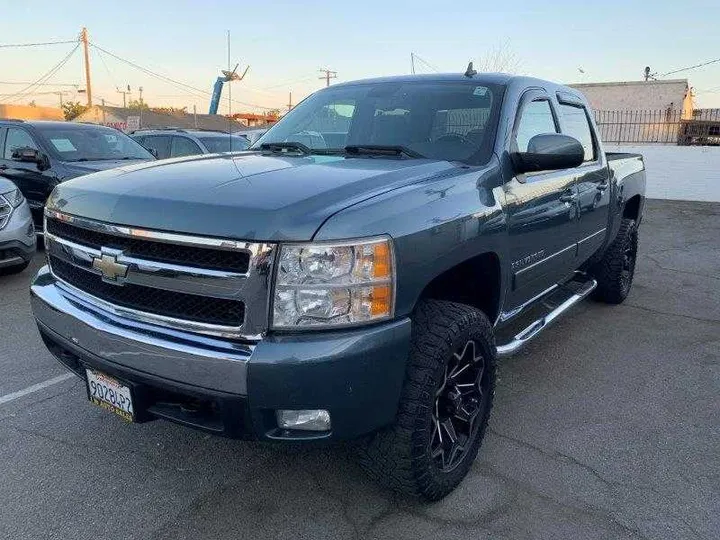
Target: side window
(536, 118)
(576, 124)
(182, 146)
(17, 138)
(159, 143)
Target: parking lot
(605, 427)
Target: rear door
(541, 209)
(592, 177)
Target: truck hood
(73, 169)
(243, 196)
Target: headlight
(14, 197)
(334, 284)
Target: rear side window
(576, 124)
(536, 119)
(182, 146)
(158, 143)
(17, 138)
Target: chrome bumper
(186, 358)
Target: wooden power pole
(88, 87)
(328, 75)
(290, 102)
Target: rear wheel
(444, 406)
(615, 271)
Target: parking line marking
(35, 387)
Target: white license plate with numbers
(110, 394)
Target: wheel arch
(476, 282)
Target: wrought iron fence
(660, 126)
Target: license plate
(110, 394)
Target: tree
(500, 59)
(169, 110)
(73, 109)
(136, 104)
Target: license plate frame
(110, 393)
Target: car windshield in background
(219, 143)
(452, 121)
(92, 143)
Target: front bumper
(231, 388)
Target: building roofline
(630, 83)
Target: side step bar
(542, 323)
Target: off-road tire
(10, 270)
(399, 456)
(614, 272)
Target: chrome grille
(204, 285)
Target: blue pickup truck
(356, 274)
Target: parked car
(357, 274)
(38, 155)
(175, 142)
(17, 234)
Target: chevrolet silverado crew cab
(356, 274)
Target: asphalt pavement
(606, 427)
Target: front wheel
(444, 406)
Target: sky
(287, 43)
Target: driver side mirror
(549, 152)
(27, 154)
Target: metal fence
(660, 127)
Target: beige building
(30, 112)
(671, 95)
(131, 119)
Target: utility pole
(88, 88)
(140, 90)
(412, 62)
(328, 75)
(124, 93)
(60, 95)
(290, 102)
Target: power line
(691, 67)
(39, 84)
(190, 89)
(21, 45)
(428, 64)
(11, 98)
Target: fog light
(306, 420)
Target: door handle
(603, 187)
(568, 197)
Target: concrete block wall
(690, 173)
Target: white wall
(690, 173)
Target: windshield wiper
(382, 150)
(285, 146)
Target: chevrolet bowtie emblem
(110, 269)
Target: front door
(28, 177)
(541, 209)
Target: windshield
(92, 143)
(224, 143)
(452, 121)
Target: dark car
(38, 155)
(356, 275)
(176, 142)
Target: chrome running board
(542, 323)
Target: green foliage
(73, 109)
(136, 104)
